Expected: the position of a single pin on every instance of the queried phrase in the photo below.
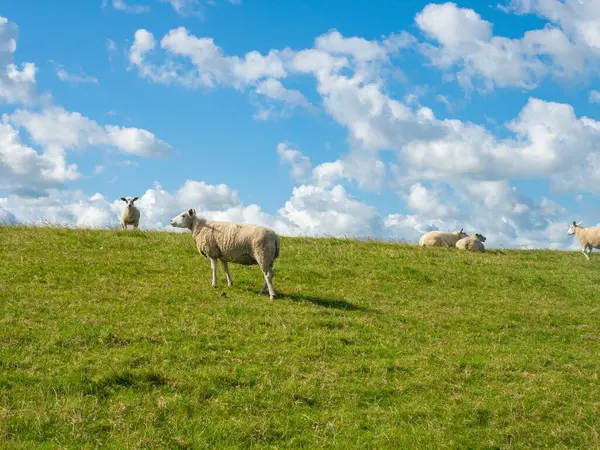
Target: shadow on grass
(324, 302)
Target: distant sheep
(232, 242)
(589, 238)
(441, 238)
(473, 243)
(130, 214)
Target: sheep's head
(129, 201)
(461, 234)
(479, 237)
(184, 220)
(572, 227)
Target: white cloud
(199, 63)
(16, 85)
(210, 66)
(135, 141)
(594, 96)
(465, 41)
(274, 90)
(55, 127)
(317, 211)
(443, 99)
(301, 167)
(185, 7)
(74, 79)
(122, 5)
(580, 19)
(427, 203)
(24, 170)
(143, 42)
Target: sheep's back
(470, 243)
(438, 239)
(241, 243)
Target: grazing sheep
(232, 242)
(588, 237)
(130, 214)
(441, 238)
(473, 243)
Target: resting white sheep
(441, 238)
(232, 242)
(589, 238)
(473, 243)
(130, 214)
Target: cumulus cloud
(24, 170)
(55, 127)
(578, 18)
(317, 211)
(17, 85)
(463, 40)
(273, 89)
(428, 204)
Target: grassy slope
(117, 339)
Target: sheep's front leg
(226, 269)
(585, 253)
(213, 265)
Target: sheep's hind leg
(213, 265)
(226, 270)
(268, 273)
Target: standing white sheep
(130, 214)
(473, 243)
(441, 238)
(232, 242)
(589, 238)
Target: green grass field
(117, 339)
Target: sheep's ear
(461, 230)
(192, 212)
(580, 223)
(134, 199)
(124, 199)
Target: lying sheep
(232, 242)
(130, 214)
(441, 238)
(588, 237)
(473, 243)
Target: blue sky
(379, 118)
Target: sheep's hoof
(230, 284)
